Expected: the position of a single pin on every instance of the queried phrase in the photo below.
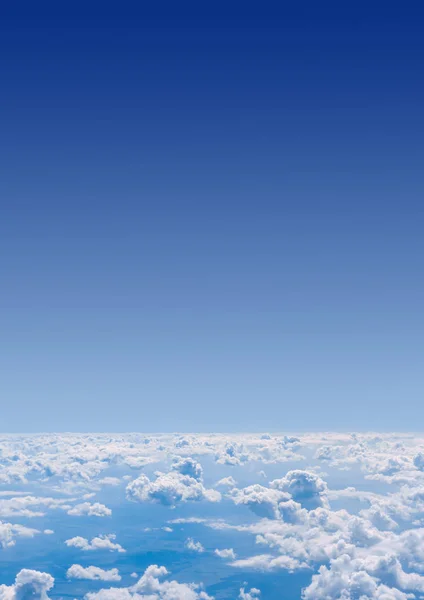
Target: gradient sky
(211, 216)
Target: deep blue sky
(211, 216)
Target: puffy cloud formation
(252, 594)
(261, 500)
(226, 482)
(169, 489)
(29, 585)
(364, 542)
(101, 542)
(348, 578)
(93, 573)
(194, 546)
(226, 553)
(232, 454)
(9, 532)
(23, 505)
(419, 461)
(269, 562)
(78, 461)
(188, 466)
(90, 510)
(304, 487)
(152, 587)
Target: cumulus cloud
(153, 585)
(226, 553)
(362, 543)
(226, 482)
(29, 585)
(419, 461)
(348, 579)
(101, 542)
(261, 500)
(252, 594)
(188, 466)
(169, 489)
(269, 562)
(194, 546)
(29, 506)
(232, 455)
(93, 573)
(304, 487)
(9, 532)
(90, 510)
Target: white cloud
(419, 461)
(261, 500)
(9, 532)
(101, 542)
(153, 586)
(188, 466)
(226, 553)
(348, 579)
(194, 546)
(373, 546)
(90, 510)
(269, 562)
(304, 487)
(22, 506)
(169, 489)
(252, 594)
(226, 481)
(29, 585)
(93, 573)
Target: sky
(211, 217)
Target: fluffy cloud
(101, 542)
(226, 482)
(355, 543)
(313, 537)
(261, 500)
(24, 505)
(226, 553)
(252, 594)
(169, 489)
(419, 461)
(188, 466)
(152, 586)
(93, 573)
(29, 585)
(90, 510)
(232, 455)
(348, 579)
(194, 546)
(269, 562)
(304, 487)
(9, 532)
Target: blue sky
(211, 218)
